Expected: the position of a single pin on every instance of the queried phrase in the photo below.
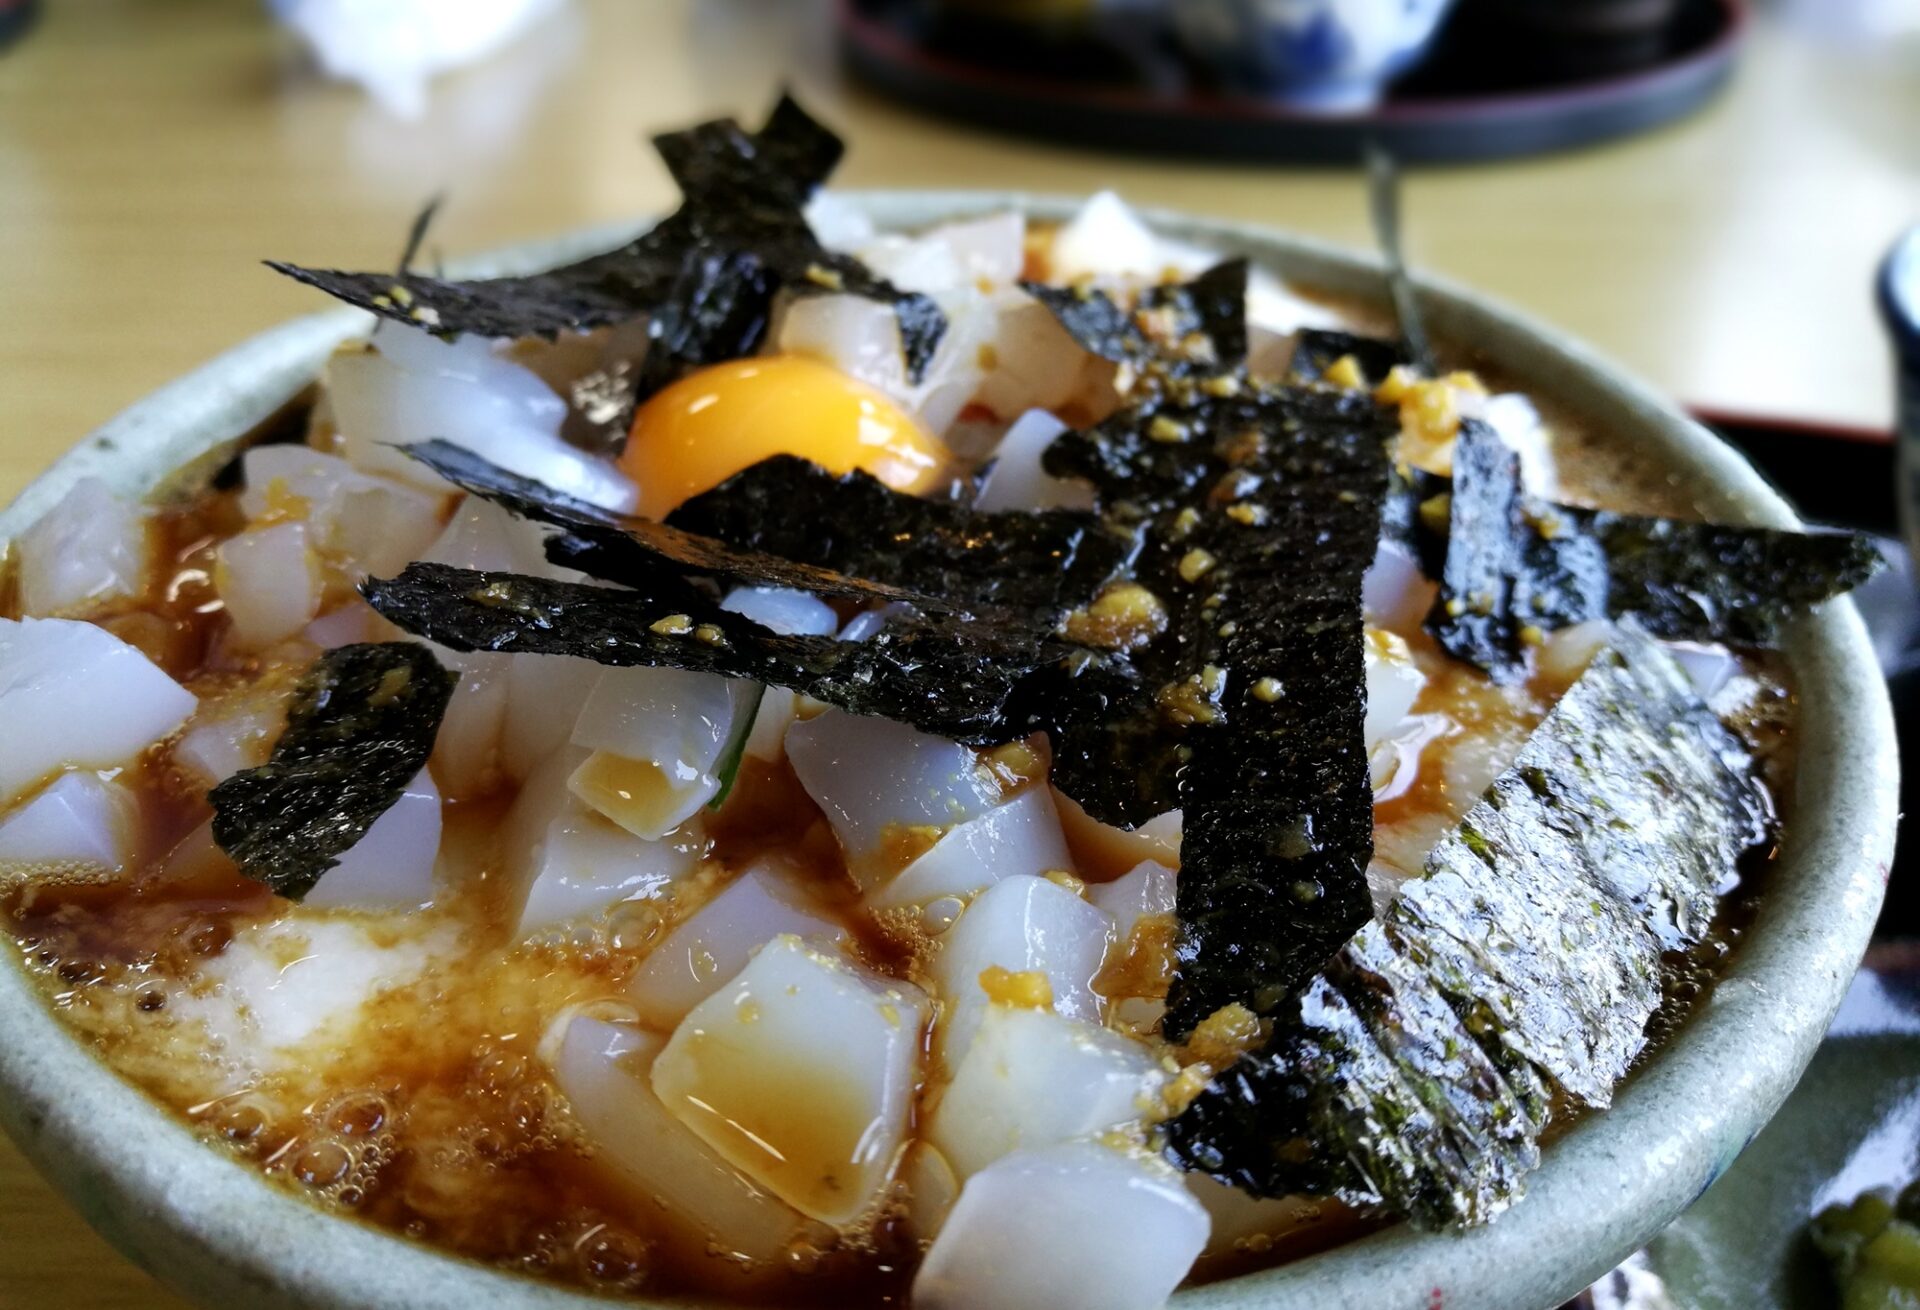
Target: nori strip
(1258, 523)
(361, 725)
(1180, 328)
(1413, 1075)
(955, 675)
(1514, 561)
(854, 523)
(652, 557)
(707, 274)
(1318, 349)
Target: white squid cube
(1104, 852)
(585, 865)
(1149, 889)
(1104, 239)
(1020, 837)
(801, 1074)
(481, 535)
(1015, 479)
(1019, 924)
(604, 1070)
(767, 739)
(793, 613)
(858, 336)
(545, 694)
(82, 821)
(657, 735)
(1395, 593)
(1241, 1222)
(90, 548)
(75, 696)
(1518, 423)
(715, 942)
(871, 775)
(269, 582)
(466, 751)
(411, 387)
(1709, 666)
(348, 624)
(1033, 1079)
(391, 867)
(925, 263)
(962, 362)
(566, 862)
(377, 524)
(1071, 1227)
(227, 737)
(1037, 364)
(990, 249)
(1393, 685)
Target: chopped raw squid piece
(704, 953)
(228, 736)
(410, 386)
(1020, 924)
(800, 1073)
(391, 867)
(1147, 889)
(90, 549)
(566, 862)
(269, 582)
(81, 822)
(876, 779)
(372, 524)
(605, 1072)
(1243, 1223)
(1033, 1079)
(1395, 593)
(1037, 365)
(545, 694)
(1072, 1227)
(1015, 479)
(467, 753)
(76, 696)
(1019, 837)
(658, 737)
(1104, 852)
(1393, 684)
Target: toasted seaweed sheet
(955, 675)
(707, 274)
(1514, 562)
(654, 558)
(856, 524)
(1258, 524)
(1318, 349)
(362, 724)
(1180, 328)
(1414, 1074)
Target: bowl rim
(216, 1230)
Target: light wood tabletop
(151, 154)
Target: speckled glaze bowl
(216, 1231)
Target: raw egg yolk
(711, 424)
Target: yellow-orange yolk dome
(711, 424)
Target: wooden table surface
(152, 153)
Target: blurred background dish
(1328, 55)
(1219, 79)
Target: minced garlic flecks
(1430, 411)
(1029, 989)
(1124, 616)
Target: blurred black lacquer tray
(1126, 88)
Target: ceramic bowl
(216, 1231)
(1333, 56)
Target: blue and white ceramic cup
(1335, 56)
